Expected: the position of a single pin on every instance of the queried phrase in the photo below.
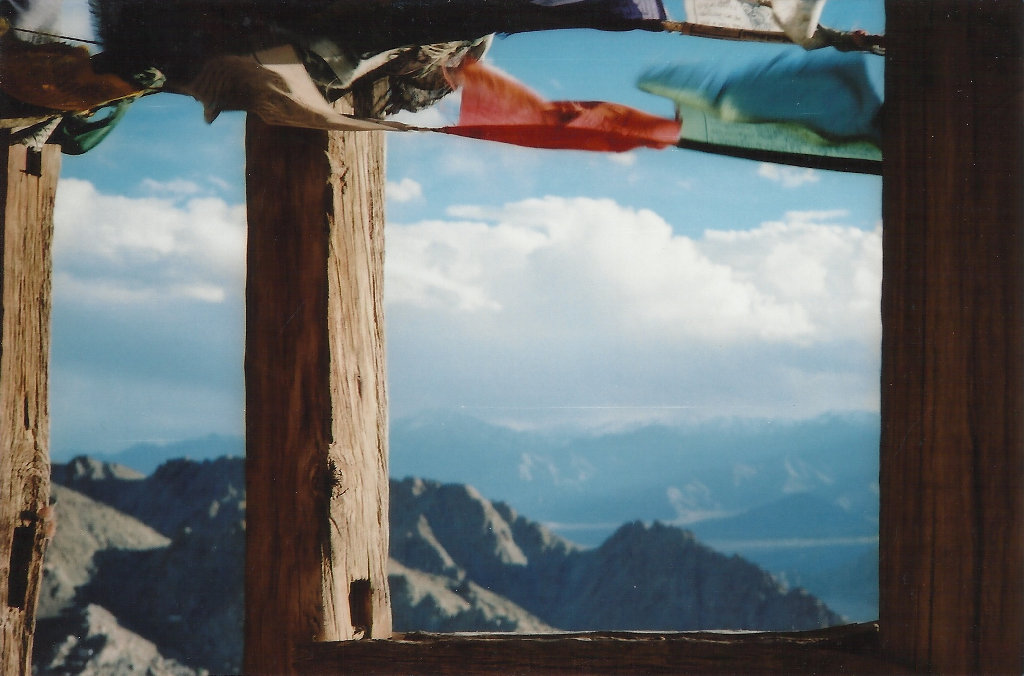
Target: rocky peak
(85, 469)
(89, 641)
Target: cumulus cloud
(555, 305)
(148, 315)
(533, 312)
(405, 190)
(801, 280)
(115, 249)
(787, 177)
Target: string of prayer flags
(802, 105)
(497, 108)
(286, 61)
(274, 85)
(50, 93)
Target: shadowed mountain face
(643, 577)
(89, 640)
(150, 569)
(173, 573)
(86, 530)
(180, 494)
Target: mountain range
(799, 498)
(145, 572)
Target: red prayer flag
(497, 108)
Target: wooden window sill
(850, 649)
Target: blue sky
(528, 287)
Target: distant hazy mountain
(588, 485)
(150, 569)
(146, 457)
(797, 498)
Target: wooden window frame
(952, 443)
(951, 446)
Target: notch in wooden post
(360, 608)
(22, 544)
(34, 162)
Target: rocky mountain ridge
(798, 498)
(159, 559)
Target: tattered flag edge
(497, 107)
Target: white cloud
(534, 311)
(551, 308)
(148, 316)
(116, 249)
(801, 280)
(788, 177)
(405, 190)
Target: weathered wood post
(316, 406)
(28, 185)
(952, 521)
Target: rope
(845, 41)
(56, 35)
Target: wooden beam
(848, 649)
(28, 187)
(316, 409)
(952, 454)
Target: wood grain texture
(952, 475)
(316, 409)
(26, 234)
(843, 650)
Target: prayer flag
(798, 19)
(808, 103)
(497, 108)
(56, 77)
(274, 85)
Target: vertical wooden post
(28, 185)
(952, 480)
(316, 408)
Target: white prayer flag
(798, 19)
